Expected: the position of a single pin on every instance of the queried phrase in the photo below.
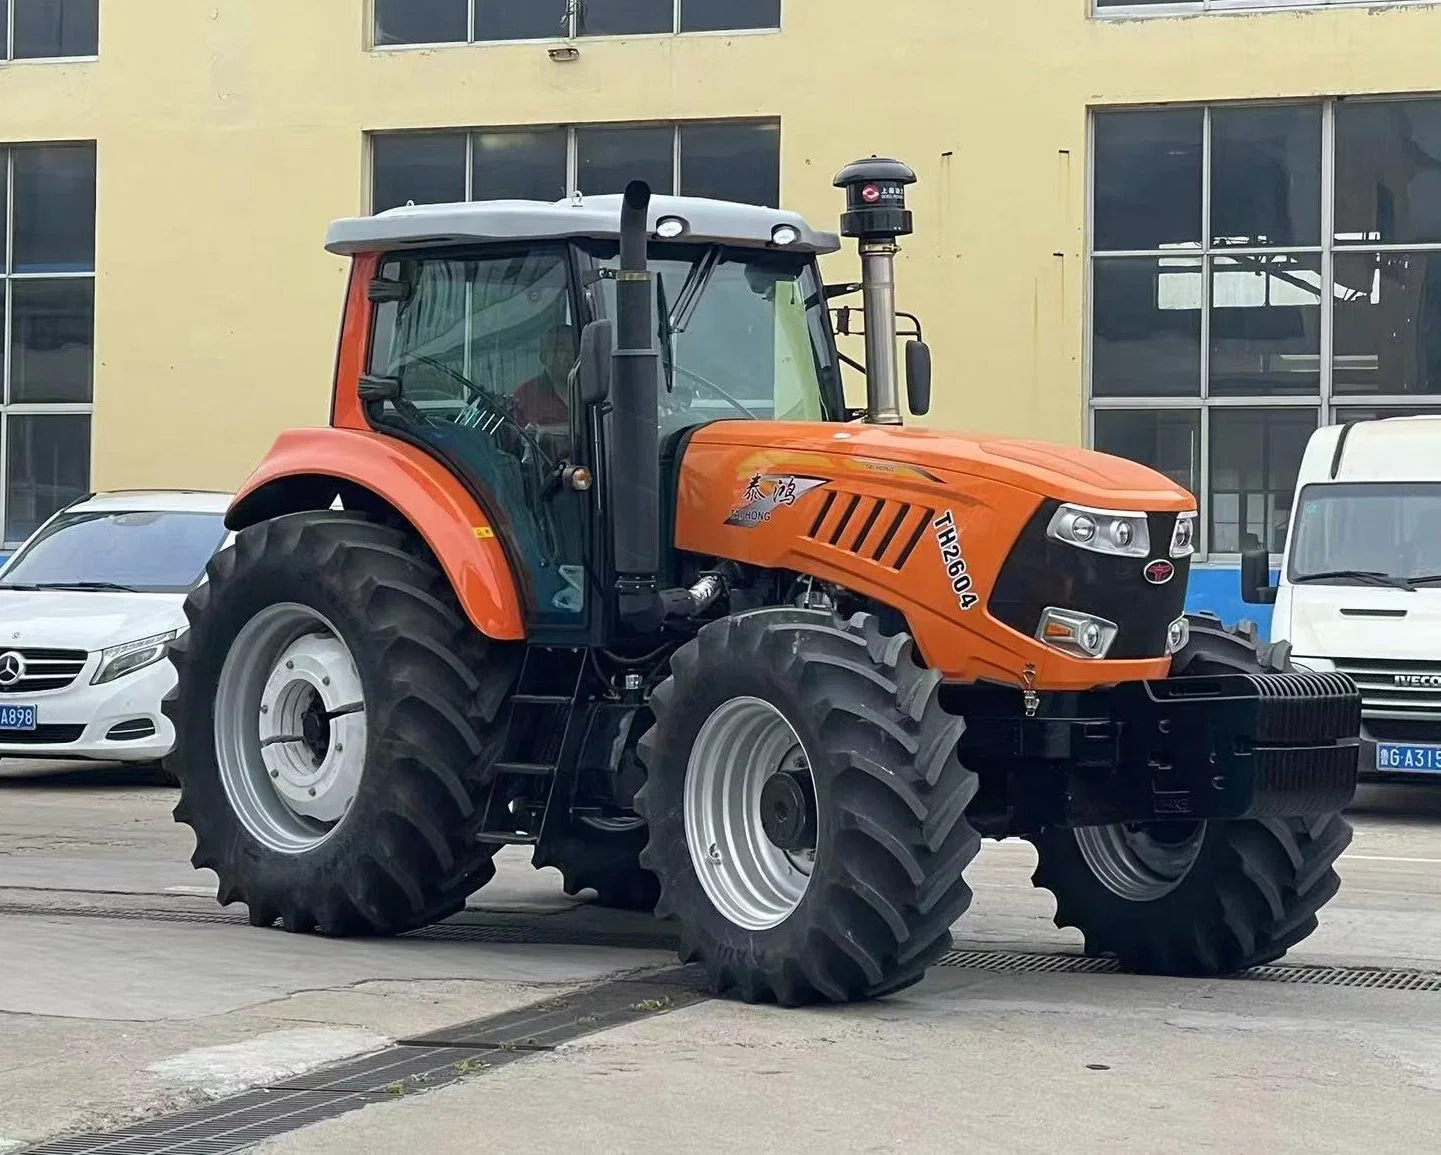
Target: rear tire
(1213, 900)
(891, 840)
(402, 853)
(606, 860)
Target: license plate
(1409, 757)
(17, 717)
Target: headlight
(1080, 635)
(1183, 537)
(117, 661)
(1178, 633)
(1121, 534)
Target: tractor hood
(1063, 472)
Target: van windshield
(1368, 533)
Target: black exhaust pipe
(634, 465)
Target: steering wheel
(481, 397)
(716, 389)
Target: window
(1243, 290)
(1133, 8)
(47, 288)
(402, 22)
(1392, 528)
(49, 29)
(145, 550)
(730, 160)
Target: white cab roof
(1391, 449)
(156, 500)
(597, 217)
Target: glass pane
(1265, 325)
(148, 551)
(520, 165)
(425, 167)
(1148, 179)
(54, 209)
(731, 162)
(1147, 317)
(1167, 440)
(52, 340)
(1266, 176)
(1388, 171)
(610, 158)
(1388, 323)
(422, 21)
(526, 20)
(1392, 528)
(4, 35)
(46, 28)
(48, 467)
(719, 15)
(1380, 412)
(1255, 456)
(626, 17)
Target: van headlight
(117, 661)
(1118, 533)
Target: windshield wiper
(1367, 577)
(667, 339)
(114, 587)
(694, 288)
(1424, 579)
(20, 586)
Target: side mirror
(1256, 587)
(596, 359)
(918, 377)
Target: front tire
(1197, 899)
(857, 900)
(374, 839)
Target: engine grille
(43, 670)
(1383, 696)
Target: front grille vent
(880, 530)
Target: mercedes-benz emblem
(12, 667)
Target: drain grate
(1376, 978)
(410, 1067)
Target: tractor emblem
(1159, 572)
(764, 493)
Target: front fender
(308, 468)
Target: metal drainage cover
(1380, 978)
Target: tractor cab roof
(597, 217)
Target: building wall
(230, 132)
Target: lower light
(1178, 633)
(1081, 635)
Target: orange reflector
(1059, 630)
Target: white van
(1360, 583)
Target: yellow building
(225, 134)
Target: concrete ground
(110, 1017)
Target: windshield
(750, 335)
(1348, 534)
(148, 552)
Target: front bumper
(1221, 747)
(117, 721)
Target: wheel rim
(290, 728)
(1141, 862)
(750, 880)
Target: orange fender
(306, 468)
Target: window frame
(571, 35)
(7, 50)
(9, 409)
(1326, 403)
(572, 149)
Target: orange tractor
(594, 558)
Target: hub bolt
(714, 853)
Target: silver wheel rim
(1133, 863)
(290, 728)
(752, 882)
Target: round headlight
(1083, 528)
(1185, 532)
(1090, 638)
(1122, 533)
(668, 228)
(785, 234)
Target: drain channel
(1376, 978)
(410, 1067)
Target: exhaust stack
(876, 215)
(634, 465)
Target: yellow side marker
(484, 532)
